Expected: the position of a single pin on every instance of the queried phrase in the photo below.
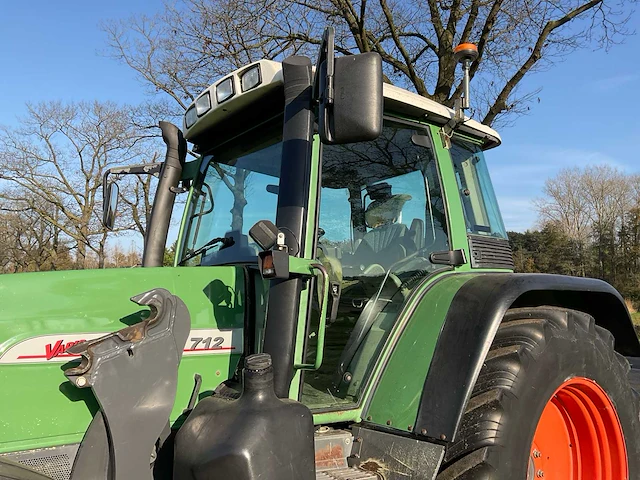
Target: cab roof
(399, 100)
(396, 100)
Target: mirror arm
(139, 169)
(326, 54)
(325, 98)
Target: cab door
(382, 213)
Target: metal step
(346, 474)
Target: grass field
(636, 318)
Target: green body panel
(414, 335)
(396, 398)
(39, 407)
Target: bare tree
(608, 194)
(30, 243)
(184, 48)
(119, 257)
(51, 165)
(565, 204)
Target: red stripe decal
(208, 349)
(27, 357)
(45, 356)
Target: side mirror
(349, 92)
(110, 190)
(110, 205)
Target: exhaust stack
(158, 227)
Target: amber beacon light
(465, 53)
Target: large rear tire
(552, 401)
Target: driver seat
(387, 241)
(382, 237)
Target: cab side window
(479, 202)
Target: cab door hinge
(454, 258)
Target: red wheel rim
(579, 436)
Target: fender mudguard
(473, 320)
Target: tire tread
(521, 336)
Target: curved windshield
(237, 188)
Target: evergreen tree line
(589, 226)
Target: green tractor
(342, 306)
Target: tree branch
(500, 104)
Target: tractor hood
(42, 314)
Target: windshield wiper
(225, 241)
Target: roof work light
(251, 78)
(225, 90)
(203, 104)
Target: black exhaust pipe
(158, 227)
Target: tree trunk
(239, 200)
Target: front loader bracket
(133, 374)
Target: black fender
(473, 320)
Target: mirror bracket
(324, 77)
(109, 204)
(326, 54)
(448, 129)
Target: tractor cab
(376, 216)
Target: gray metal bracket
(395, 457)
(134, 374)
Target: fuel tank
(258, 436)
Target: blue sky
(587, 113)
(51, 50)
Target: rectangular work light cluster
(225, 95)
